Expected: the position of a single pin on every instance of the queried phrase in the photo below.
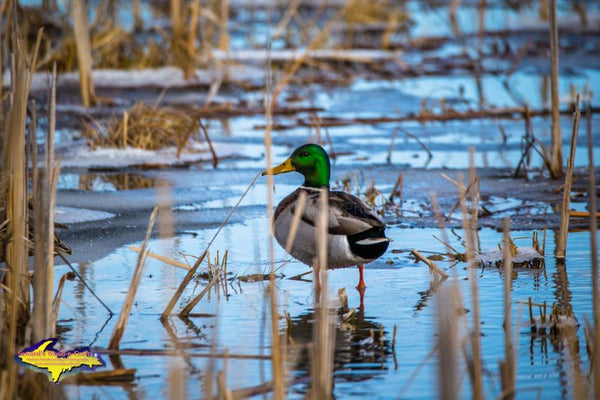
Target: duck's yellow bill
(282, 168)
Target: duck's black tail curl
(370, 244)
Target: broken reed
(561, 241)
(119, 328)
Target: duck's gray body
(355, 235)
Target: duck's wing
(346, 214)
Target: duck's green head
(312, 161)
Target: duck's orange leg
(361, 283)
(361, 288)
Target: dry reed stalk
(223, 26)
(568, 336)
(58, 296)
(16, 299)
(115, 376)
(177, 381)
(453, 16)
(291, 70)
(177, 353)
(162, 258)
(423, 145)
(556, 155)
(188, 277)
(561, 240)
(447, 339)
(582, 214)
(166, 227)
(3, 6)
(84, 52)
(391, 147)
(44, 201)
(463, 194)
(216, 276)
(474, 198)
(124, 129)
(138, 23)
(481, 25)
(193, 28)
(287, 17)
(508, 365)
(223, 392)
(441, 222)
(433, 268)
(119, 329)
(323, 332)
(475, 339)
(277, 357)
(210, 145)
(594, 253)
(296, 221)
(176, 17)
(397, 190)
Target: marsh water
(369, 360)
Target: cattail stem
(561, 242)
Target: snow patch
(524, 255)
(83, 157)
(71, 215)
(164, 77)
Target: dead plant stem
(594, 252)
(561, 242)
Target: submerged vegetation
(259, 76)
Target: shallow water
(232, 319)
(396, 296)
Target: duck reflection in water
(362, 347)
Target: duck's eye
(304, 154)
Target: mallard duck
(355, 235)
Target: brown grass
(16, 293)
(146, 127)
